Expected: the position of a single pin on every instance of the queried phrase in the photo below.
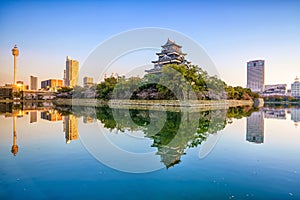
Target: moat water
(81, 152)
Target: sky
(230, 32)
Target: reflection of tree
(104, 114)
(180, 130)
(240, 112)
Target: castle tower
(170, 54)
(15, 53)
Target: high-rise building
(256, 75)
(51, 84)
(33, 83)
(71, 77)
(88, 82)
(295, 88)
(255, 127)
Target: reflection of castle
(295, 115)
(51, 115)
(255, 127)
(70, 128)
(170, 156)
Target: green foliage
(240, 112)
(64, 89)
(105, 89)
(175, 82)
(277, 98)
(240, 93)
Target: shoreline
(23, 101)
(155, 104)
(168, 105)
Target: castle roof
(170, 42)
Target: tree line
(175, 82)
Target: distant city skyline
(231, 32)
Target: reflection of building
(5, 107)
(295, 88)
(33, 116)
(51, 84)
(14, 148)
(71, 73)
(255, 127)
(278, 89)
(295, 115)
(51, 115)
(88, 120)
(33, 83)
(274, 113)
(88, 82)
(256, 75)
(170, 54)
(70, 128)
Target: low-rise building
(277, 89)
(6, 92)
(51, 84)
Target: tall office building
(88, 82)
(33, 83)
(256, 75)
(255, 127)
(71, 73)
(295, 88)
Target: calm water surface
(63, 153)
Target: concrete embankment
(22, 101)
(156, 104)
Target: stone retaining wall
(154, 103)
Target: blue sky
(231, 32)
